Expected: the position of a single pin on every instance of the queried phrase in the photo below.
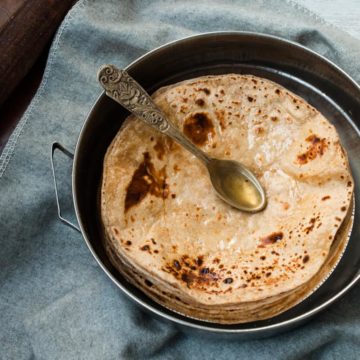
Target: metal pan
(311, 76)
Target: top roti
(164, 220)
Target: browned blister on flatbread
(169, 233)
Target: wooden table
(26, 31)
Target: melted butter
(241, 190)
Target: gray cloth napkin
(55, 301)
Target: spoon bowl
(233, 182)
(237, 185)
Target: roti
(169, 233)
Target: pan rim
(187, 321)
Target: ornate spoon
(233, 182)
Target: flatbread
(169, 233)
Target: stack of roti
(168, 233)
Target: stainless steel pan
(304, 72)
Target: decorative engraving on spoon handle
(122, 88)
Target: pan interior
(307, 75)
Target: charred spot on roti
(250, 98)
(188, 278)
(159, 147)
(228, 280)
(204, 270)
(316, 148)
(177, 265)
(200, 102)
(145, 180)
(191, 271)
(306, 258)
(309, 228)
(128, 243)
(314, 139)
(272, 238)
(343, 208)
(277, 91)
(205, 90)
(199, 261)
(198, 128)
(148, 283)
(327, 197)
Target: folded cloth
(55, 302)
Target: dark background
(27, 28)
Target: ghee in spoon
(241, 189)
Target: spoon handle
(122, 88)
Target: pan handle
(58, 146)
